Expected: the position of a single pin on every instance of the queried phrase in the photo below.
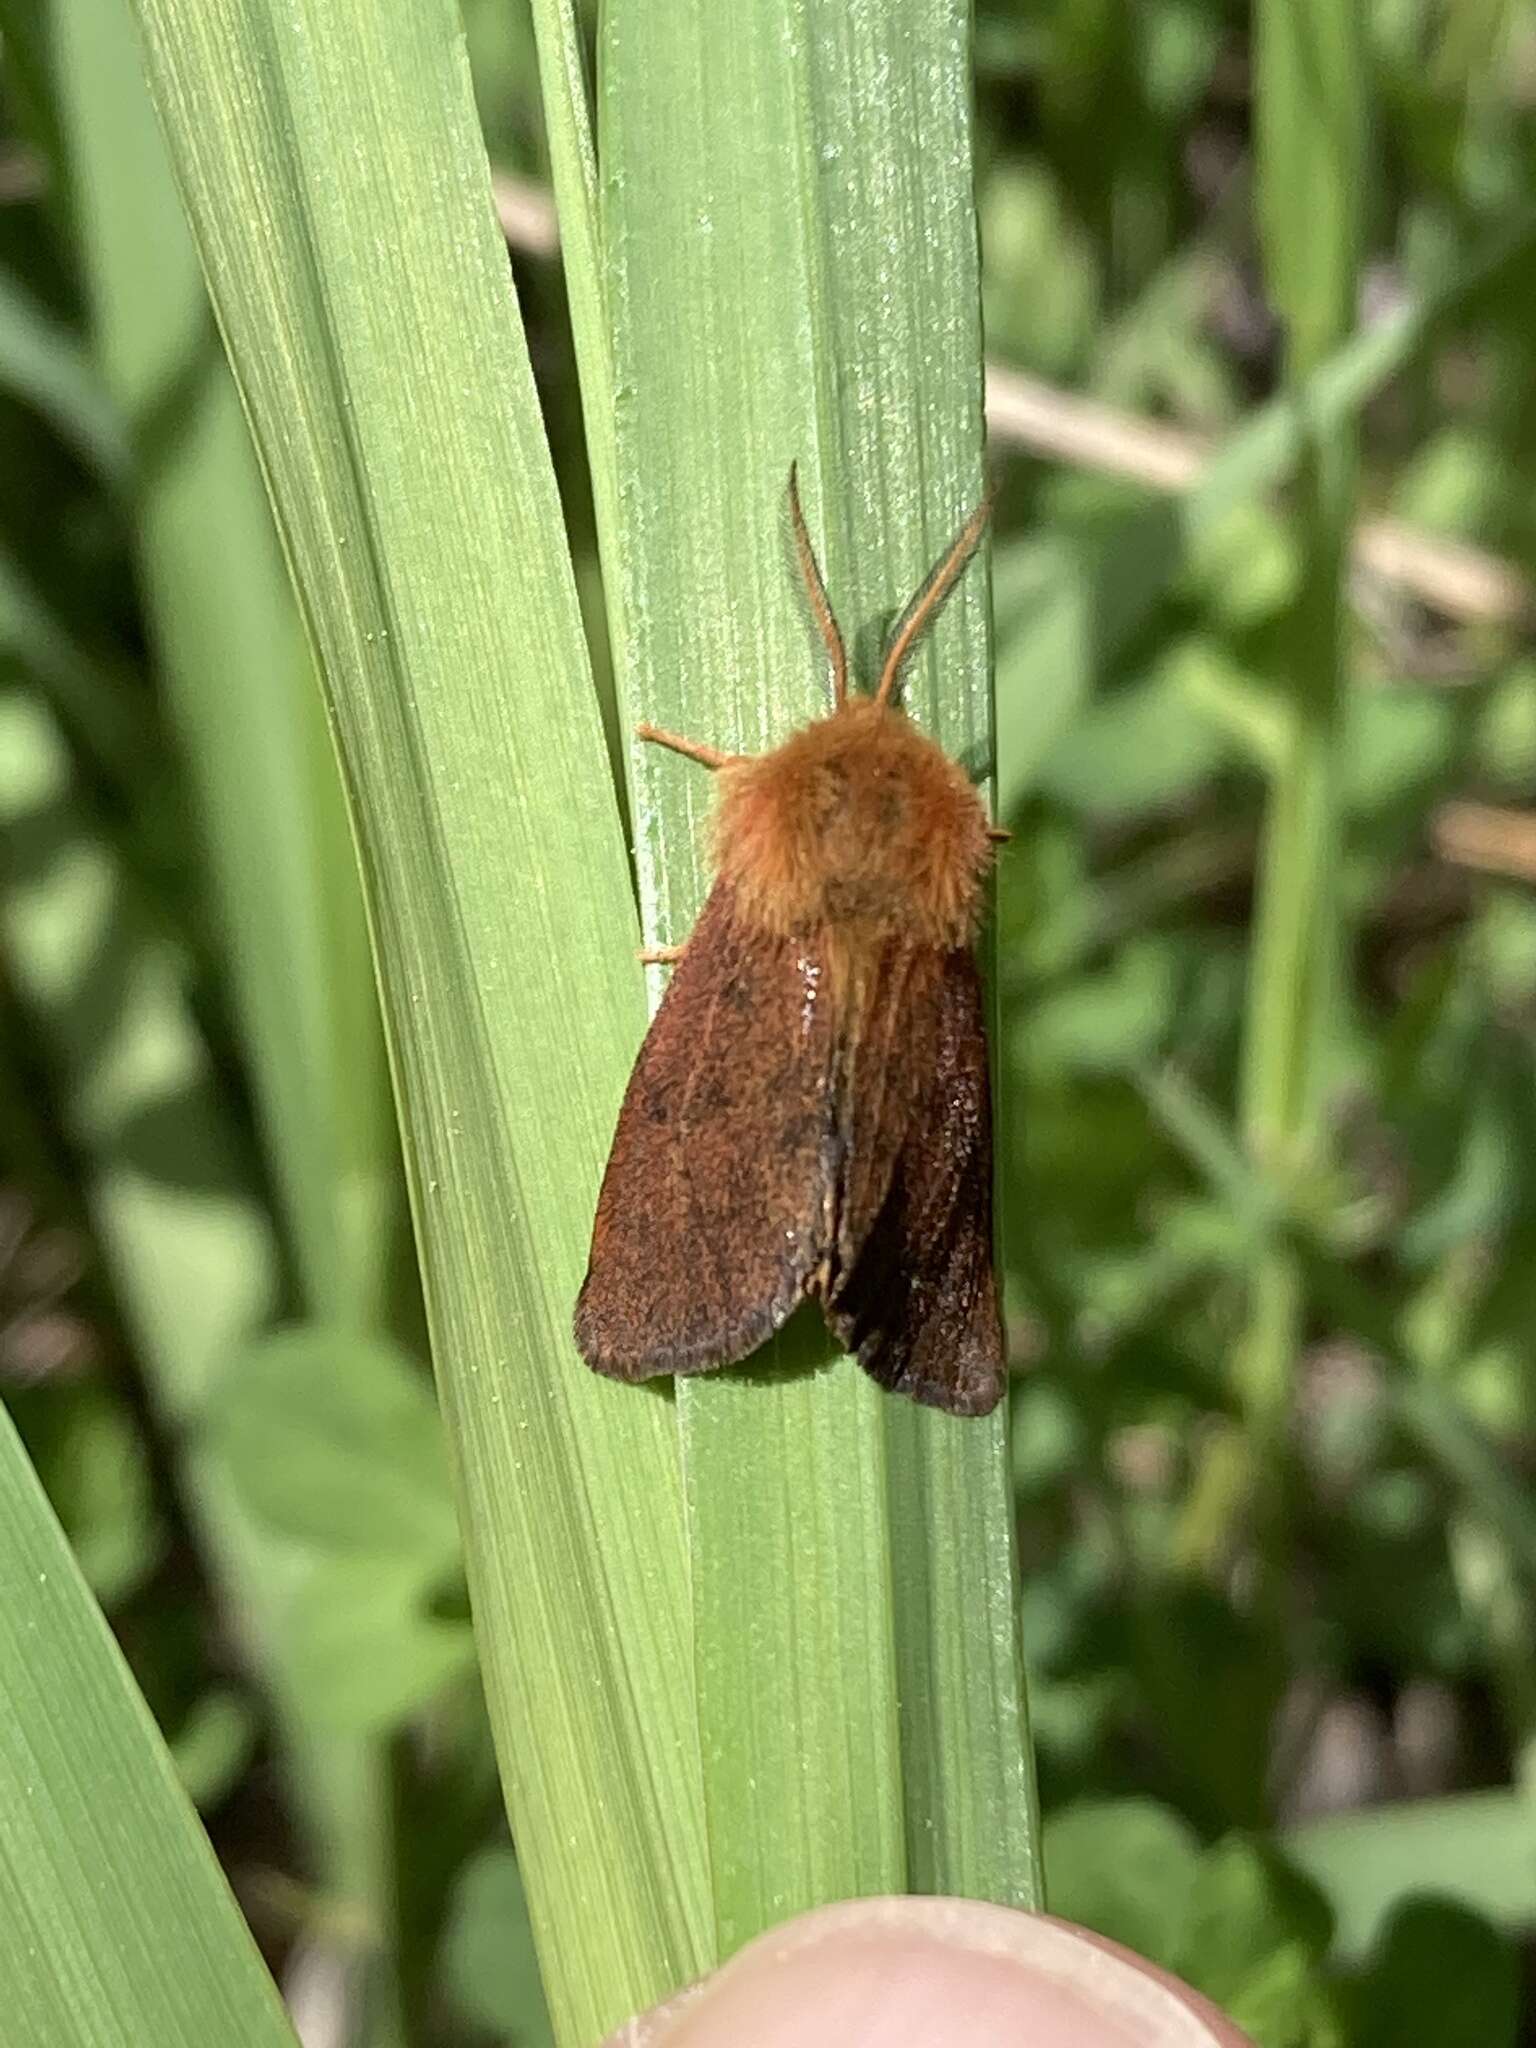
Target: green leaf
(116, 1925)
(573, 165)
(362, 1645)
(1151, 742)
(1107, 1021)
(333, 1445)
(333, 1440)
(1473, 1849)
(1439, 1974)
(1251, 1929)
(488, 1959)
(1280, 2002)
(1126, 1868)
(1398, 741)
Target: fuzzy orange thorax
(858, 828)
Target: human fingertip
(935, 1972)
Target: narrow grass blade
(1311, 176)
(329, 156)
(231, 658)
(789, 225)
(573, 165)
(116, 1925)
(41, 363)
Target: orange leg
(999, 834)
(660, 956)
(694, 750)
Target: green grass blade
(394, 409)
(573, 166)
(231, 658)
(770, 182)
(41, 363)
(1311, 168)
(116, 1925)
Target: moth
(809, 1115)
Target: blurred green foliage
(1283, 1754)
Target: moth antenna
(816, 591)
(693, 750)
(931, 593)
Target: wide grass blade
(329, 156)
(573, 166)
(792, 249)
(116, 1925)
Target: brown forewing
(911, 1288)
(718, 1200)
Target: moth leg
(999, 835)
(695, 750)
(660, 956)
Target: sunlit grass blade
(793, 251)
(573, 163)
(1311, 179)
(116, 1925)
(396, 417)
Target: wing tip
(611, 1345)
(961, 1394)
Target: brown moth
(809, 1115)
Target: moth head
(858, 825)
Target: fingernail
(943, 1973)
